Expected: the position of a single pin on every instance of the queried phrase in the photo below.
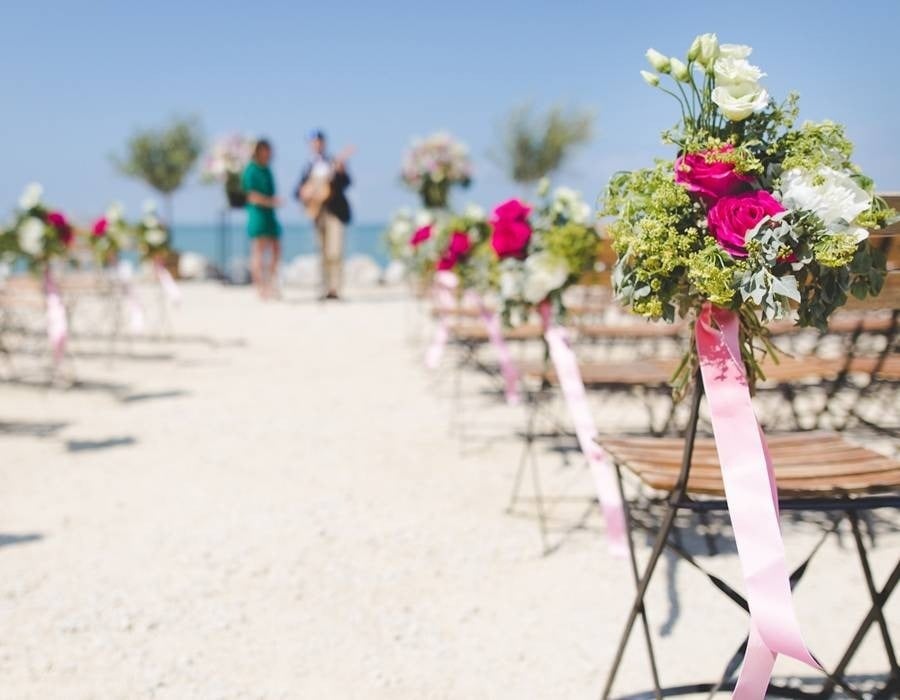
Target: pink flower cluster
(61, 225)
(734, 208)
(511, 230)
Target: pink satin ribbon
(135, 308)
(573, 391)
(169, 287)
(504, 356)
(57, 323)
(443, 290)
(752, 497)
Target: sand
(272, 505)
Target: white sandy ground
(272, 507)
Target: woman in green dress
(262, 225)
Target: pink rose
(420, 236)
(511, 230)
(732, 217)
(708, 177)
(459, 246)
(100, 226)
(63, 229)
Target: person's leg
(320, 224)
(334, 246)
(256, 272)
(274, 262)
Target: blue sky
(78, 77)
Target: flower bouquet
(541, 252)
(109, 235)
(755, 219)
(38, 234)
(224, 164)
(435, 164)
(152, 235)
(755, 214)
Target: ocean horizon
(229, 243)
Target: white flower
(704, 49)
(149, 206)
(473, 211)
(31, 196)
(115, 212)
(544, 273)
(650, 78)
(511, 282)
(679, 70)
(734, 50)
(155, 236)
(31, 236)
(737, 102)
(423, 218)
(831, 195)
(736, 71)
(658, 60)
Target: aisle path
(282, 514)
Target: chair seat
(605, 374)
(629, 331)
(472, 333)
(807, 464)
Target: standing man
(262, 225)
(321, 191)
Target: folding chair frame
(679, 500)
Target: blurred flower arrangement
(224, 164)
(152, 235)
(109, 235)
(38, 234)
(541, 251)
(755, 214)
(433, 165)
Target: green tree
(535, 145)
(163, 157)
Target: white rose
(737, 102)
(511, 283)
(736, 71)
(679, 71)
(831, 195)
(704, 49)
(423, 218)
(115, 212)
(155, 236)
(473, 211)
(544, 273)
(658, 60)
(31, 196)
(734, 50)
(31, 236)
(650, 78)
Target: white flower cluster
(831, 195)
(154, 232)
(568, 204)
(228, 156)
(737, 92)
(31, 231)
(438, 157)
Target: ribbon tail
(444, 284)
(572, 386)
(752, 497)
(169, 287)
(501, 347)
(756, 670)
(57, 322)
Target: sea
(226, 242)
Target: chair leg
(526, 455)
(641, 582)
(879, 598)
